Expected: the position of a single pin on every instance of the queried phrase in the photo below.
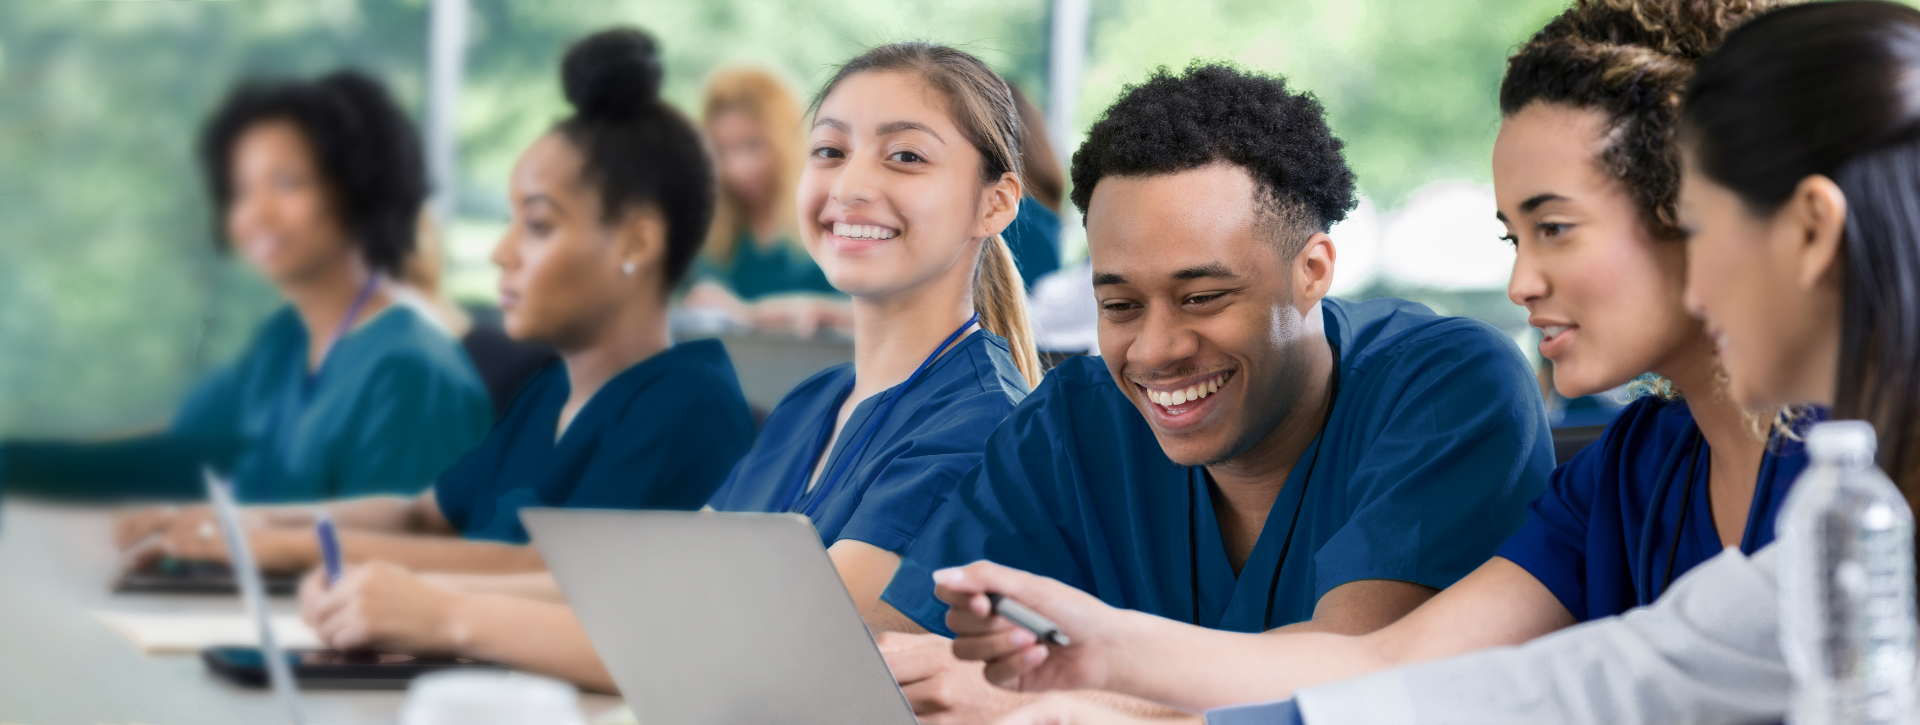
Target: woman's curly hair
(1629, 59)
(367, 151)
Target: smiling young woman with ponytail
(913, 170)
(912, 173)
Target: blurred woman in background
(610, 208)
(1034, 235)
(754, 269)
(318, 184)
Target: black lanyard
(865, 434)
(1193, 527)
(1758, 512)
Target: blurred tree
(1410, 86)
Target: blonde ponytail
(999, 295)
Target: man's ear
(640, 243)
(1001, 205)
(1818, 212)
(1313, 271)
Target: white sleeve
(1707, 652)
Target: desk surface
(61, 666)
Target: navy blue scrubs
(932, 437)
(1589, 538)
(1436, 442)
(660, 435)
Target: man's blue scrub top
(660, 435)
(1584, 537)
(1437, 441)
(934, 435)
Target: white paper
(190, 633)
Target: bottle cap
(1842, 440)
(490, 698)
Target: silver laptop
(719, 618)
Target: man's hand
(1016, 659)
(942, 688)
(381, 606)
(1061, 709)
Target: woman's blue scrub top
(1437, 441)
(1584, 537)
(660, 435)
(758, 270)
(395, 402)
(934, 435)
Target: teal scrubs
(660, 435)
(757, 270)
(929, 440)
(395, 403)
(1436, 442)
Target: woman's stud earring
(627, 269)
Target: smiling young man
(1246, 454)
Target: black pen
(1029, 620)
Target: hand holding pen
(329, 536)
(1034, 633)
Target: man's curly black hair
(1212, 113)
(367, 151)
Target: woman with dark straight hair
(1800, 198)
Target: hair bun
(613, 74)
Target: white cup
(490, 698)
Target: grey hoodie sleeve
(1707, 652)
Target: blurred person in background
(754, 269)
(318, 184)
(506, 365)
(1034, 235)
(913, 173)
(610, 208)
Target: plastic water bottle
(1847, 586)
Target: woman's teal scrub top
(932, 437)
(758, 270)
(394, 404)
(660, 435)
(1436, 442)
